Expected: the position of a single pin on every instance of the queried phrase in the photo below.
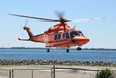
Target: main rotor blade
(90, 19)
(42, 19)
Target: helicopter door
(65, 35)
(57, 36)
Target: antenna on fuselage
(74, 27)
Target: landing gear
(48, 50)
(67, 50)
(78, 48)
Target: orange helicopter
(60, 35)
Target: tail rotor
(25, 26)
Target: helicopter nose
(80, 40)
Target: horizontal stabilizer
(23, 39)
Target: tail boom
(34, 38)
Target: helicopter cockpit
(76, 33)
(80, 32)
(73, 34)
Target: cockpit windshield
(73, 34)
(80, 33)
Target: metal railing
(43, 73)
(5, 73)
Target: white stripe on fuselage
(79, 37)
(59, 42)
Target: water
(37, 54)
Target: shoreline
(57, 62)
(56, 48)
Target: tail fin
(28, 31)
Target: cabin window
(59, 35)
(63, 35)
(55, 37)
(73, 34)
(67, 35)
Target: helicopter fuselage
(59, 36)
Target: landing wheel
(67, 50)
(78, 48)
(48, 50)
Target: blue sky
(102, 33)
